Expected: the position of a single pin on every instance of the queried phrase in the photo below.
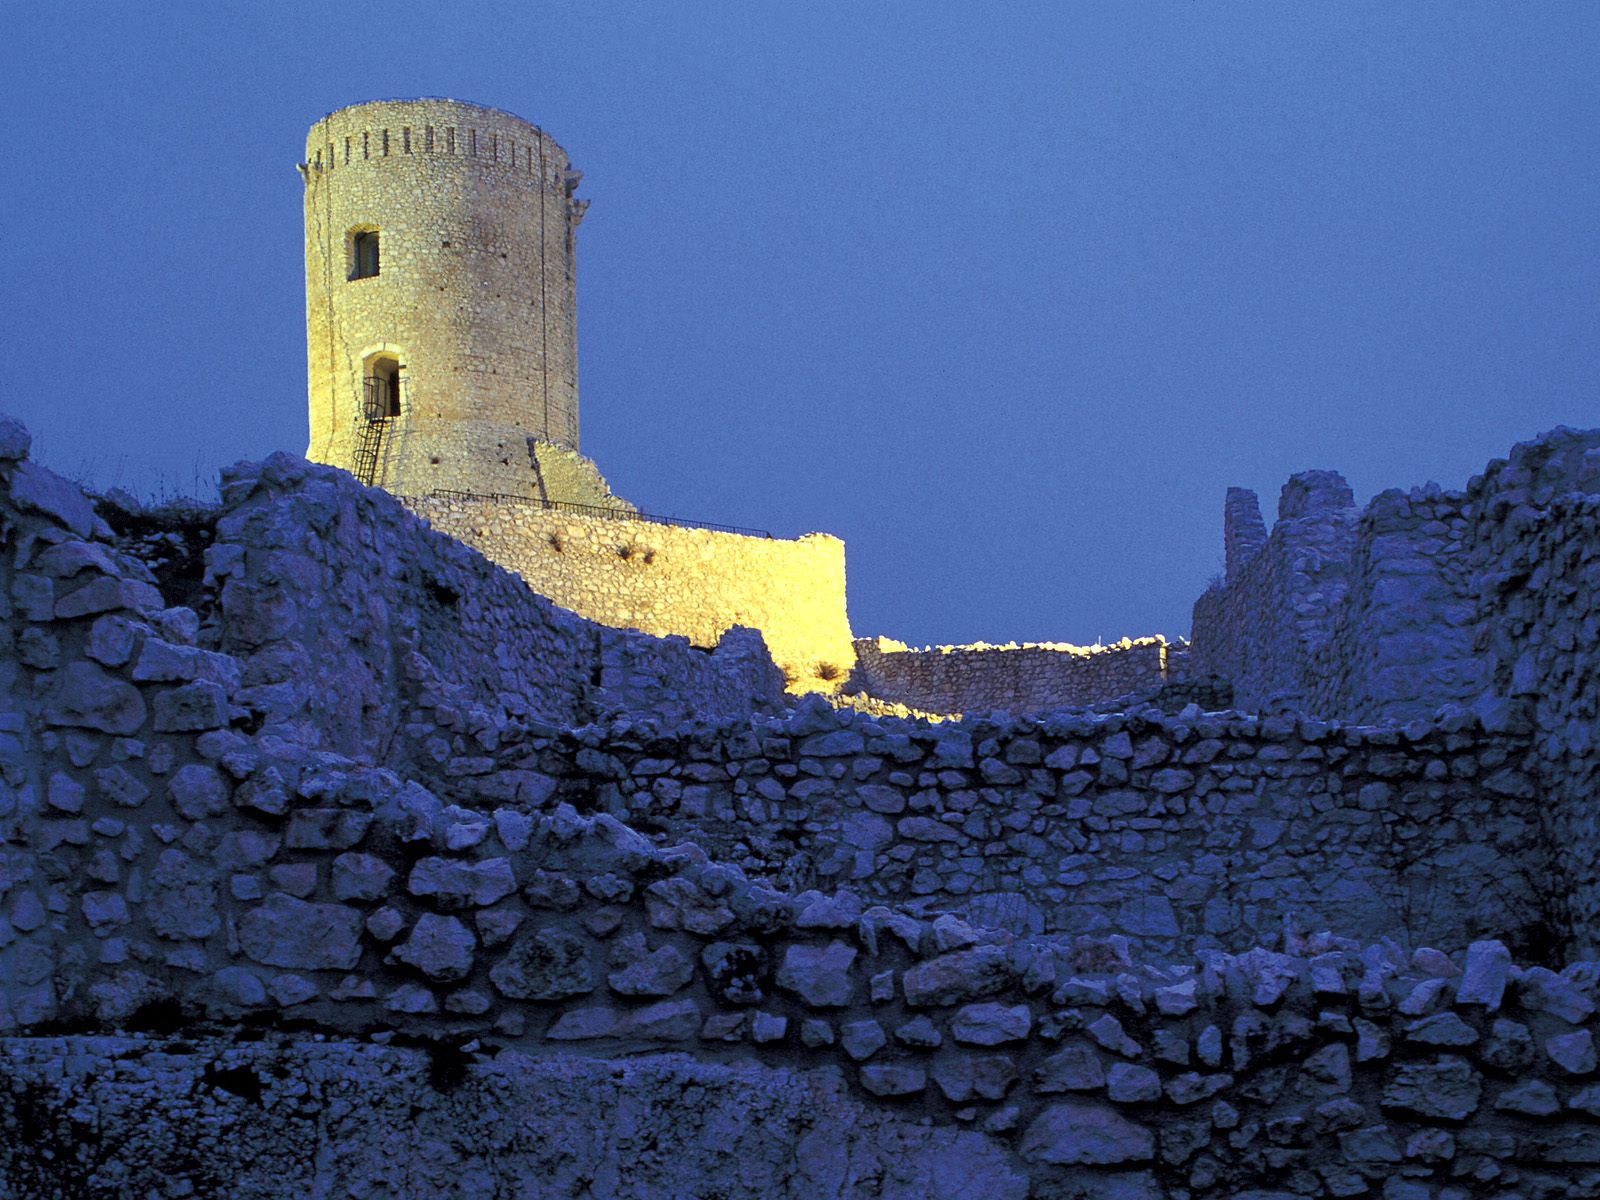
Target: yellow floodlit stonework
(666, 580)
(468, 324)
(441, 335)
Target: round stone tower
(441, 315)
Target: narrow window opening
(364, 257)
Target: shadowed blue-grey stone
(766, 1028)
(286, 932)
(991, 1024)
(952, 978)
(455, 884)
(1483, 979)
(1370, 1144)
(866, 831)
(1574, 1053)
(1330, 1066)
(667, 1021)
(1148, 916)
(1542, 990)
(1447, 1088)
(981, 1076)
(326, 828)
(861, 1039)
(65, 793)
(1533, 1098)
(86, 696)
(926, 829)
(193, 707)
(1070, 1132)
(440, 947)
(818, 975)
(39, 490)
(120, 786)
(412, 999)
(360, 876)
(1127, 1083)
(183, 899)
(880, 799)
(659, 973)
(1441, 1029)
(547, 965)
(199, 791)
(1075, 1069)
(893, 1080)
(15, 439)
(920, 1032)
(1108, 1031)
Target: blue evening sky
(1004, 294)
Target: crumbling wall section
(1264, 624)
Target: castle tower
(441, 314)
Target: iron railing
(596, 510)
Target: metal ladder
(375, 408)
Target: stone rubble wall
(518, 946)
(1536, 576)
(670, 580)
(1180, 833)
(1484, 597)
(337, 794)
(1025, 678)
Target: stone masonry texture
(1031, 678)
(474, 297)
(334, 860)
(670, 580)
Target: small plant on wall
(828, 672)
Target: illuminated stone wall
(1029, 678)
(670, 580)
(475, 296)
